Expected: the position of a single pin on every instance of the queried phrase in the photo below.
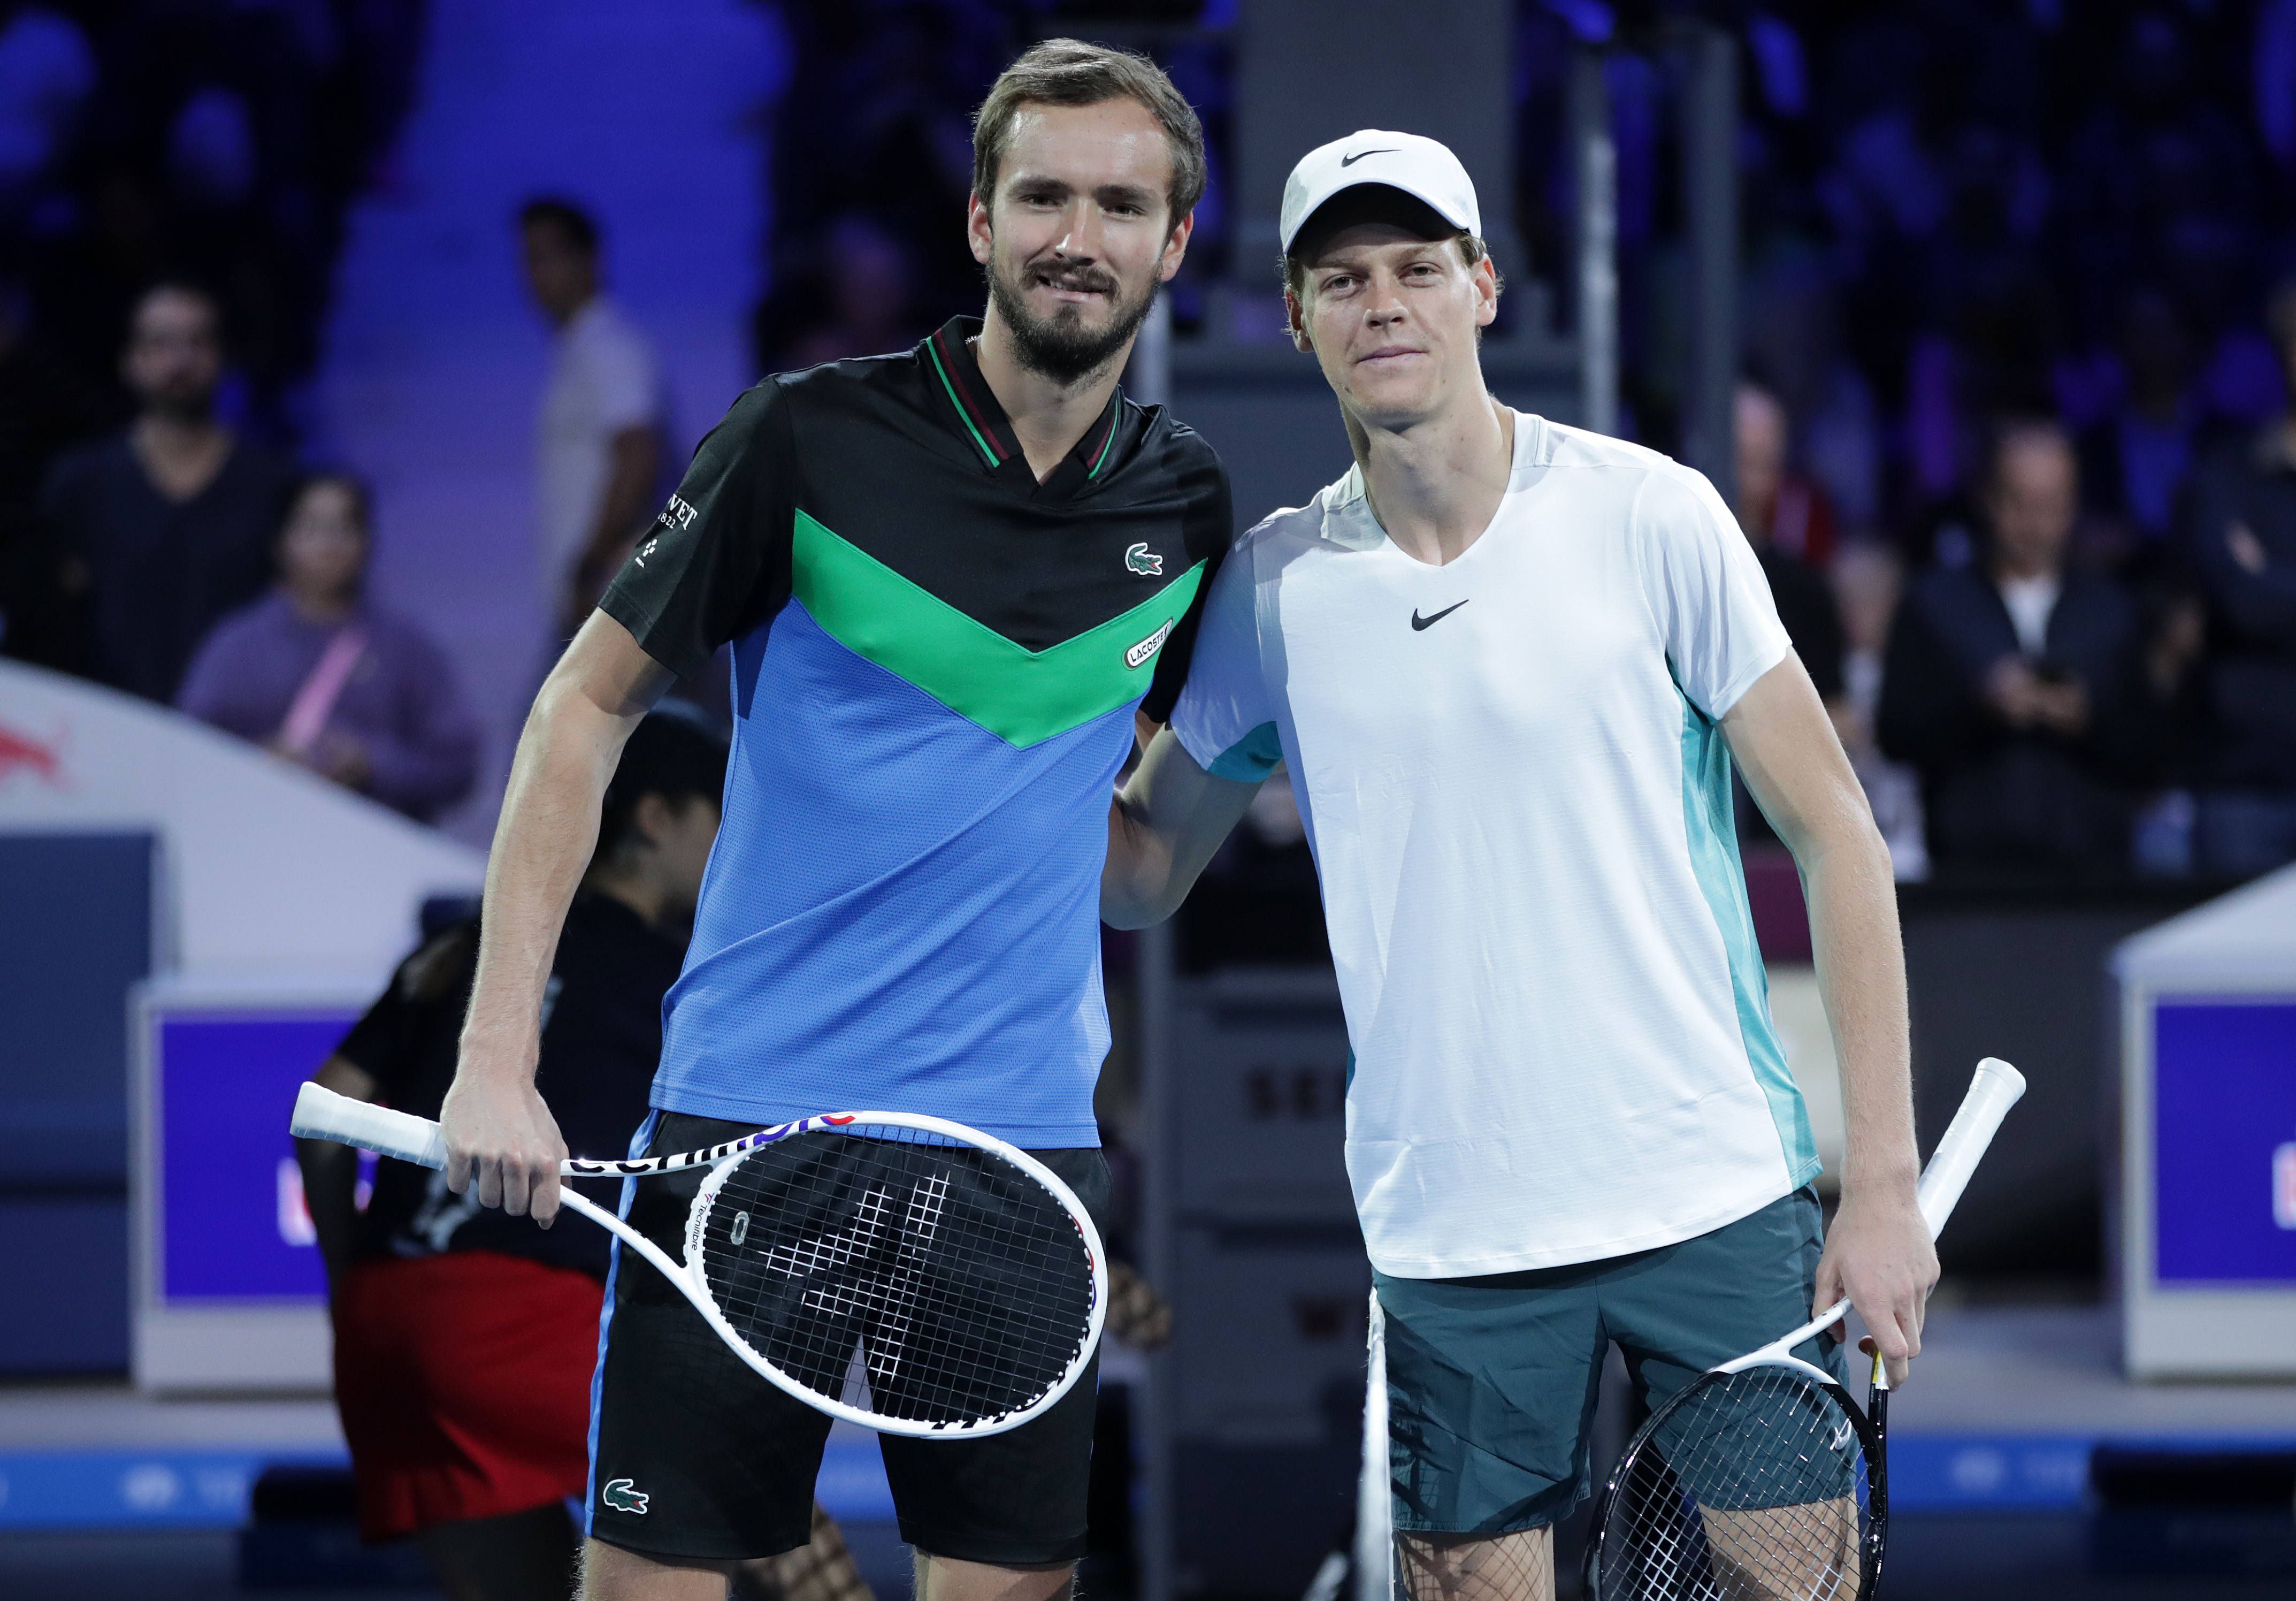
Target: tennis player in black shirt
(465, 1337)
(950, 577)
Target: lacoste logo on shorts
(622, 1495)
(1144, 562)
(1149, 646)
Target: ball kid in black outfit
(465, 1338)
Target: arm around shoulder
(1163, 826)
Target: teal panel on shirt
(1251, 759)
(1708, 816)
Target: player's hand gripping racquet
(907, 1274)
(1762, 1480)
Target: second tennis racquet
(1762, 1478)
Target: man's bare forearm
(1162, 827)
(1861, 975)
(1138, 872)
(629, 496)
(541, 845)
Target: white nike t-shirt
(1519, 801)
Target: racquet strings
(1754, 1485)
(899, 1273)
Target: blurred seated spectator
(1793, 513)
(47, 73)
(856, 298)
(1868, 582)
(319, 676)
(2015, 684)
(2134, 461)
(1771, 498)
(2243, 534)
(166, 528)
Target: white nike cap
(1422, 168)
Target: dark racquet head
(900, 1277)
(1765, 1483)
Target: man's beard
(186, 405)
(1060, 347)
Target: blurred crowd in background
(2014, 441)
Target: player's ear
(1295, 320)
(1487, 292)
(1176, 248)
(651, 819)
(979, 232)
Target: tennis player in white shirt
(1509, 664)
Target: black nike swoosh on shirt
(1418, 622)
(1383, 150)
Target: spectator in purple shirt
(318, 676)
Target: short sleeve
(716, 562)
(623, 380)
(1225, 717)
(1705, 588)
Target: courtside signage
(2224, 1085)
(232, 1225)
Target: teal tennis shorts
(1491, 1382)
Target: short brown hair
(1070, 72)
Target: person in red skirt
(465, 1338)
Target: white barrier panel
(226, 1286)
(2208, 1190)
(264, 866)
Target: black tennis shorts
(695, 1458)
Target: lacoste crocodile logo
(622, 1495)
(1139, 653)
(1144, 562)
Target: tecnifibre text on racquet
(1762, 1477)
(904, 1273)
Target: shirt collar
(947, 357)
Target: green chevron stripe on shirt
(1023, 696)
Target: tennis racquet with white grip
(904, 1273)
(1762, 1477)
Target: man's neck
(1048, 418)
(1436, 485)
(634, 890)
(566, 316)
(2004, 573)
(324, 610)
(181, 452)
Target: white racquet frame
(1995, 1089)
(321, 1113)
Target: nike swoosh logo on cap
(1359, 155)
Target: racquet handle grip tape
(320, 1114)
(1995, 1088)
